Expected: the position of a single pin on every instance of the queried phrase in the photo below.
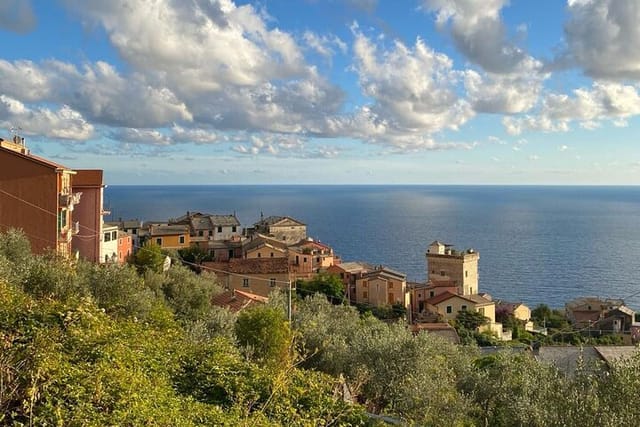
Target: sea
(537, 244)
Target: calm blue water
(536, 244)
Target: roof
(616, 353)
(443, 330)
(474, 298)
(274, 220)
(441, 284)
(237, 300)
(36, 159)
(88, 178)
(223, 220)
(566, 358)
(252, 266)
(167, 230)
(260, 240)
(354, 267)
(439, 243)
(385, 272)
(578, 303)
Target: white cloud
(17, 15)
(589, 107)
(563, 148)
(603, 37)
(413, 93)
(511, 93)
(325, 45)
(98, 91)
(140, 136)
(478, 32)
(64, 123)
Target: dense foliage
(87, 345)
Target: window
(449, 309)
(159, 241)
(431, 294)
(219, 229)
(463, 307)
(134, 231)
(481, 310)
(433, 272)
(442, 272)
(390, 285)
(114, 235)
(466, 273)
(365, 295)
(181, 240)
(304, 259)
(245, 283)
(107, 237)
(259, 255)
(390, 298)
(271, 254)
(200, 233)
(272, 282)
(342, 275)
(365, 284)
(234, 229)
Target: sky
(327, 91)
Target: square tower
(460, 267)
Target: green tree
(149, 258)
(329, 285)
(266, 335)
(470, 320)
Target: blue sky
(327, 91)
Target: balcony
(69, 199)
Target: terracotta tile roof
(274, 220)
(440, 298)
(385, 272)
(355, 267)
(251, 266)
(237, 300)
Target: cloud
(413, 93)
(284, 146)
(511, 93)
(603, 37)
(602, 102)
(97, 90)
(64, 123)
(197, 46)
(140, 136)
(563, 148)
(325, 45)
(478, 32)
(17, 16)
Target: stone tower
(459, 267)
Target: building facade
(446, 264)
(89, 214)
(36, 196)
(282, 228)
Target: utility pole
(289, 302)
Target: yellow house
(382, 286)
(448, 305)
(170, 236)
(258, 276)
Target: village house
(349, 272)
(448, 304)
(36, 196)
(382, 286)
(421, 292)
(258, 276)
(109, 244)
(282, 228)
(218, 235)
(169, 236)
(134, 228)
(125, 247)
(443, 330)
(604, 315)
(518, 310)
(89, 214)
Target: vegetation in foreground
(118, 345)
